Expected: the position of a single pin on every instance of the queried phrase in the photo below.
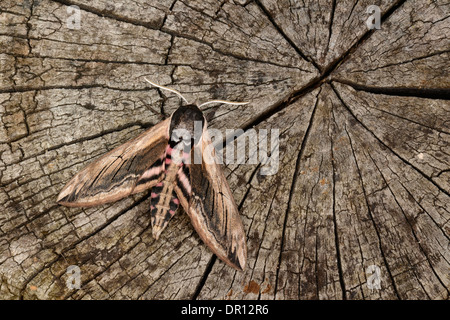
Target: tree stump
(358, 209)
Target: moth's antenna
(168, 89)
(223, 101)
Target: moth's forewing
(116, 174)
(212, 209)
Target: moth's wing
(211, 206)
(129, 168)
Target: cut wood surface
(363, 181)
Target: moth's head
(187, 124)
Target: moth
(167, 162)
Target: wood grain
(363, 116)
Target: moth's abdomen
(163, 204)
(164, 201)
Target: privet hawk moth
(168, 163)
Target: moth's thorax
(186, 124)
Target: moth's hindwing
(151, 176)
(115, 175)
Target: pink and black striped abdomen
(164, 201)
(163, 205)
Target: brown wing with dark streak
(212, 208)
(130, 168)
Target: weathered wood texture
(364, 120)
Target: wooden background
(364, 120)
